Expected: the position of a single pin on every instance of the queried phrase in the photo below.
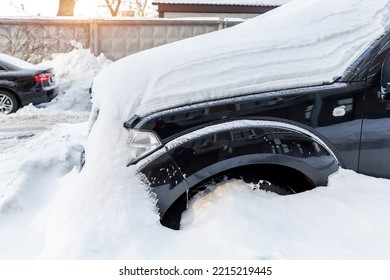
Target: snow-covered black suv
(284, 112)
(287, 141)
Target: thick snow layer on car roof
(300, 43)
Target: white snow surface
(51, 210)
(300, 43)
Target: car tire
(268, 182)
(261, 181)
(8, 103)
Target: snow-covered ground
(50, 210)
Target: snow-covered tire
(261, 181)
(8, 103)
(269, 182)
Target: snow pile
(74, 73)
(30, 168)
(300, 43)
(111, 217)
(347, 220)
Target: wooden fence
(35, 38)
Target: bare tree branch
(113, 6)
(35, 42)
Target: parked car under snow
(282, 100)
(22, 83)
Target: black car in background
(22, 83)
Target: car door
(375, 143)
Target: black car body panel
(308, 132)
(19, 81)
(311, 107)
(248, 143)
(375, 137)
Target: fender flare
(277, 143)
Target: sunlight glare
(86, 8)
(49, 8)
(38, 7)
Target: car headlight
(142, 143)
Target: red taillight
(43, 77)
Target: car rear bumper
(39, 96)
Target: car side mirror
(385, 92)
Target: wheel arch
(304, 158)
(301, 175)
(170, 214)
(13, 93)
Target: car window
(2, 68)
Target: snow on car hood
(300, 43)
